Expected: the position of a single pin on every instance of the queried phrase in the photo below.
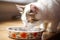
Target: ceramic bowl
(20, 33)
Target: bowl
(20, 33)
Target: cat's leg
(51, 30)
(43, 26)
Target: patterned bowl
(19, 33)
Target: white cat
(43, 13)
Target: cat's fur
(42, 12)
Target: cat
(45, 13)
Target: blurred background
(8, 8)
(19, 1)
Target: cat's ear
(34, 8)
(20, 8)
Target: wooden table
(4, 26)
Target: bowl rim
(22, 30)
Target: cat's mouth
(33, 20)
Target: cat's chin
(33, 21)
